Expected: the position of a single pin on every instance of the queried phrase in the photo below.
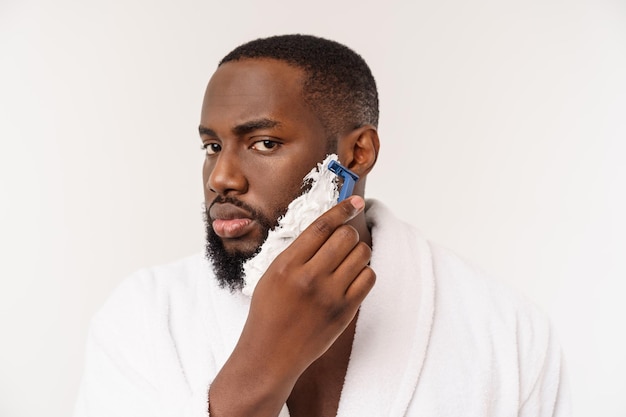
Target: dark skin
(261, 140)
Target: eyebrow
(205, 131)
(252, 125)
(244, 128)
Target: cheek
(206, 172)
(205, 169)
(281, 184)
(274, 188)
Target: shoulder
(482, 330)
(503, 334)
(148, 298)
(155, 284)
(495, 321)
(467, 288)
(459, 284)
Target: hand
(311, 292)
(301, 305)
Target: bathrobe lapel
(394, 322)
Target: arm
(304, 301)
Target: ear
(358, 150)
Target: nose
(225, 175)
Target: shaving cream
(321, 195)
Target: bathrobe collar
(394, 323)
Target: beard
(228, 266)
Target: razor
(349, 179)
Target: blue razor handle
(349, 179)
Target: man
(318, 337)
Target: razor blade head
(349, 179)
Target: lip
(230, 221)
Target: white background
(503, 129)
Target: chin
(247, 245)
(247, 249)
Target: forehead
(255, 88)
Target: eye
(211, 148)
(265, 145)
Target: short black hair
(338, 85)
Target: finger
(335, 250)
(314, 236)
(347, 271)
(361, 286)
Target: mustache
(235, 202)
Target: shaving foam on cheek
(321, 195)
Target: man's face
(261, 140)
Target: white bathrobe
(434, 338)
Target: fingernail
(357, 202)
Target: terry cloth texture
(433, 338)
